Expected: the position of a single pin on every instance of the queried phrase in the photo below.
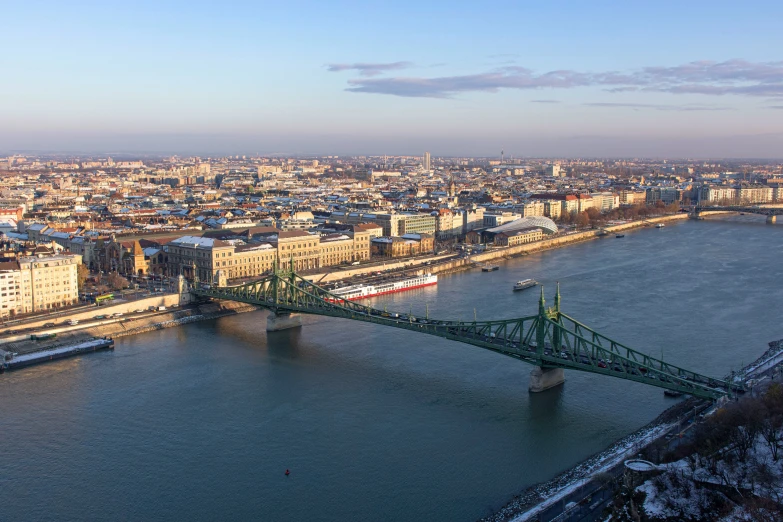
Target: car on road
(48, 325)
(72, 322)
(138, 311)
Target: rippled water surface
(200, 422)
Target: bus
(103, 298)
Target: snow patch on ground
(580, 475)
(682, 490)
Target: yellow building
(518, 237)
(254, 252)
(48, 282)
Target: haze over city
(502, 261)
(702, 79)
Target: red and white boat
(362, 291)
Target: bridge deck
(550, 339)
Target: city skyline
(457, 80)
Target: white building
(495, 219)
(48, 281)
(10, 289)
(553, 171)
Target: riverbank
(68, 343)
(495, 254)
(588, 478)
(576, 482)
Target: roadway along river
(200, 422)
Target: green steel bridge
(550, 340)
(771, 212)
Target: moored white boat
(363, 291)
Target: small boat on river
(524, 284)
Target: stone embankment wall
(124, 307)
(447, 263)
(132, 326)
(558, 241)
(199, 313)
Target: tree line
(595, 218)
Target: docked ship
(660, 225)
(489, 268)
(363, 291)
(524, 284)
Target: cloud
(735, 77)
(659, 107)
(367, 69)
(545, 101)
(447, 86)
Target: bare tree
(117, 282)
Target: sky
(555, 78)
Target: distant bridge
(550, 340)
(771, 212)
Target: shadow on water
(285, 344)
(543, 404)
(502, 398)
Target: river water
(200, 422)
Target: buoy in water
(287, 472)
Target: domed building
(522, 230)
(546, 225)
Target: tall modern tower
(427, 161)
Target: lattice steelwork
(550, 339)
(747, 209)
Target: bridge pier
(544, 378)
(276, 322)
(771, 220)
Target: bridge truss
(549, 339)
(747, 209)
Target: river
(200, 422)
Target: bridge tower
(542, 378)
(282, 281)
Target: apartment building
(531, 208)
(448, 224)
(394, 224)
(10, 289)
(605, 201)
(48, 281)
(495, 219)
(409, 245)
(754, 194)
